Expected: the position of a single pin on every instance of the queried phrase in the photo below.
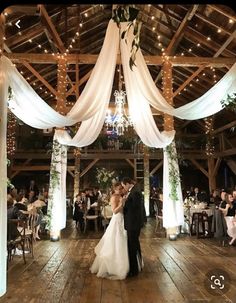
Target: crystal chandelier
(120, 121)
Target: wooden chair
(159, 217)
(198, 225)
(88, 217)
(16, 228)
(106, 214)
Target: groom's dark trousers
(133, 221)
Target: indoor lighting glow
(119, 121)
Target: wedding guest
(33, 187)
(78, 215)
(230, 209)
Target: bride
(111, 259)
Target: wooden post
(210, 149)
(146, 179)
(61, 108)
(77, 172)
(168, 120)
(211, 175)
(76, 150)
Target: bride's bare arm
(116, 205)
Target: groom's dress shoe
(132, 274)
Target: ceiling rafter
(171, 48)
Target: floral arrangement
(104, 177)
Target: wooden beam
(201, 68)
(180, 31)
(88, 167)
(178, 35)
(27, 34)
(36, 168)
(228, 152)
(92, 59)
(77, 80)
(197, 72)
(17, 172)
(130, 162)
(23, 9)
(51, 28)
(199, 167)
(222, 128)
(197, 37)
(159, 165)
(40, 78)
(221, 11)
(70, 172)
(217, 165)
(227, 42)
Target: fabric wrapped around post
(3, 179)
(173, 211)
(57, 187)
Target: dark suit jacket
(133, 209)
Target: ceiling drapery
(92, 104)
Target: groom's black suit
(133, 221)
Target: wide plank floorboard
(174, 271)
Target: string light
(210, 148)
(219, 30)
(231, 21)
(11, 134)
(208, 38)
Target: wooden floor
(174, 271)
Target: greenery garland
(230, 102)
(174, 176)
(9, 184)
(126, 13)
(55, 176)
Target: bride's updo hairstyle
(115, 185)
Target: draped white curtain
(173, 213)
(57, 194)
(3, 180)
(204, 106)
(139, 108)
(31, 109)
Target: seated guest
(10, 207)
(223, 199)
(230, 207)
(78, 214)
(215, 197)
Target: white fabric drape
(204, 106)
(57, 194)
(31, 109)
(173, 212)
(139, 108)
(3, 180)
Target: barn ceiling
(181, 30)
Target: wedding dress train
(111, 259)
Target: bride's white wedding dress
(112, 260)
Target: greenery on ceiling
(230, 102)
(126, 13)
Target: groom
(133, 221)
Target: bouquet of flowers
(104, 178)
